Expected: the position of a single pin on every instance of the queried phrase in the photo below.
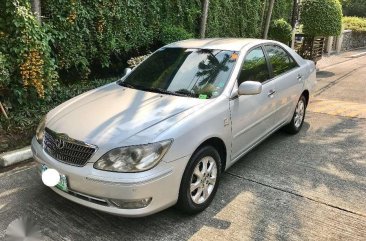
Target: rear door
(288, 78)
(251, 115)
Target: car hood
(110, 114)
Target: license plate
(62, 185)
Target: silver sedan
(164, 133)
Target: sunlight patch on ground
(339, 108)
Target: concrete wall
(353, 40)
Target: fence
(309, 47)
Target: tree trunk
(268, 20)
(294, 13)
(293, 22)
(262, 15)
(204, 18)
(36, 9)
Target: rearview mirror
(250, 88)
(126, 71)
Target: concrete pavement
(311, 186)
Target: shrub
(280, 30)
(170, 34)
(321, 17)
(355, 24)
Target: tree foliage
(282, 9)
(321, 17)
(280, 30)
(354, 8)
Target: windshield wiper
(186, 93)
(163, 91)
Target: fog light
(131, 204)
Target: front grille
(67, 150)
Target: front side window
(255, 67)
(198, 73)
(280, 60)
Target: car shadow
(324, 74)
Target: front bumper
(94, 188)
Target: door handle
(271, 93)
(299, 77)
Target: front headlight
(40, 130)
(133, 158)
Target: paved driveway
(311, 186)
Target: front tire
(298, 118)
(200, 180)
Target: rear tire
(298, 118)
(200, 180)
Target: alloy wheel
(203, 180)
(299, 113)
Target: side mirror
(250, 88)
(126, 71)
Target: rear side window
(255, 67)
(280, 60)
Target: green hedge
(321, 17)
(234, 18)
(88, 39)
(103, 31)
(355, 24)
(282, 9)
(171, 33)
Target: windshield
(199, 73)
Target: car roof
(234, 44)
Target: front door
(251, 115)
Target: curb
(16, 156)
(358, 55)
(349, 58)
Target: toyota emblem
(59, 143)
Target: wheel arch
(220, 146)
